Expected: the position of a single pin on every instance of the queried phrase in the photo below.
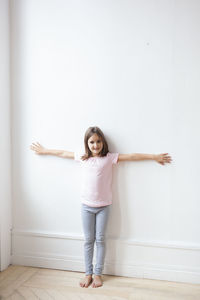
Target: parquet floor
(20, 282)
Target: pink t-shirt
(96, 189)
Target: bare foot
(85, 282)
(97, 282)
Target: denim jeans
(94, 220)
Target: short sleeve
(77, 156)
(113, 157)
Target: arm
(160, 158)
(39, 149)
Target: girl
(96, 195)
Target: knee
(89, 240)
(100, 239)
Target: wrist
(154, 156)
(46, 151)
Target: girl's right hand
(39, 149)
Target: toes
(81, 284)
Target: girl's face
(95, 144)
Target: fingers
(36, 144)
(36, 147)
(166, 158)
(165, 155)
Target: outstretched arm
(160, 158)
(39, 149)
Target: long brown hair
(89, 132)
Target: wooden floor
(19, 282)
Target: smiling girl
(96, 193)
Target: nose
(96, 146)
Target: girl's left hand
(163, 158)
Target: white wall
(5, 140)
(131, 68)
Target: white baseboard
(131, 258)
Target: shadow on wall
(115, 231)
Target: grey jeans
(94, 220)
